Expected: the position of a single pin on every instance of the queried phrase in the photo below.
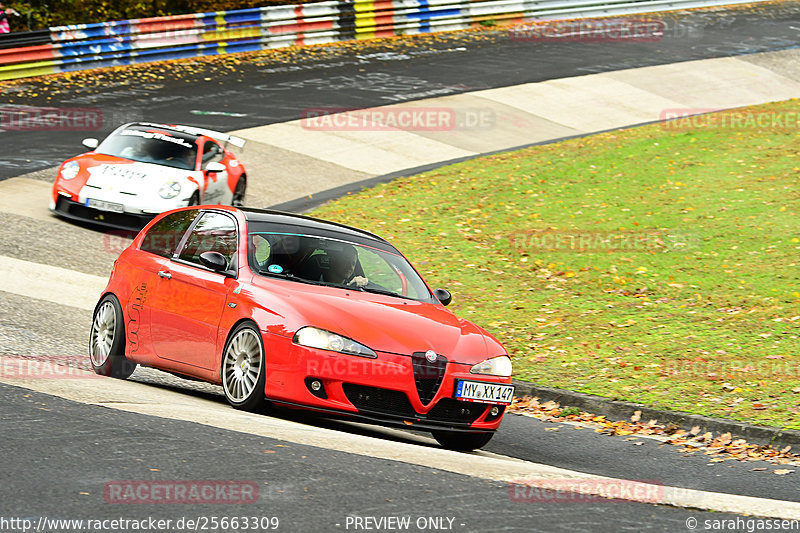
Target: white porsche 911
(143, 169)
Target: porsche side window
(163, 238)
(212, 153)
(214, 232)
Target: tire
(243, 369)
(107, 340)
(239, 192)
(462, 442)
(195, 199)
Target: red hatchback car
(293, 311)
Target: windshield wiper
(379, 291)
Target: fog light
(495, 411)
(315, 387)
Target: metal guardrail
(24, 38)
(86, 46)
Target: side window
(212, 153)
(163, 238)
(215, 232)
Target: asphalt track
(90, 445)
(306, 488)
(258, 90)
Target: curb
(618, 410)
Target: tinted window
(148, 145)
(212, 153)
(336, 263)
(163, 238)
(215, 232)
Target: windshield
(149, 145)
(337, 263)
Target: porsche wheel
(462, 442)
(243, 372)
(107, 340)
(238, 192)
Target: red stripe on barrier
(29, 53)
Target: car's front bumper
(384, 390)
(76, 211)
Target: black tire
(239, 192)
(243, 369)
(195, 199)
(107, 340)
(461, 441)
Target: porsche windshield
(151, 145)
(338, 263)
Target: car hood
(129, 176)
(382, 323)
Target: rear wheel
(238, 192)
(243, 369)
(107, 340)
(462, 442)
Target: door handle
(164, 274)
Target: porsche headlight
(70, 170)
(170, 190)
(325, 340)
(496, 366)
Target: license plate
(478, 391)
(102, 205)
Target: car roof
(279, 221)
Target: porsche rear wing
(216, 135)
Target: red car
(294, 311)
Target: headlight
(325, 340)
(496, 366)
(70, 170)
(170, 190)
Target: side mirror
(215, 167)
(444, 296)
(90, 143)
(214, 260)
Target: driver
(342, 268)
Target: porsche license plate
(477, 391)
(102, 205)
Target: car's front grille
(395, 404)
(428, 375)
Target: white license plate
(102, 205)
(478, 391)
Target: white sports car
(143, 169)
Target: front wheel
(107, 340)
(238, 192)
(243, 369)
(462, 442)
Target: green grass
(648, 265)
